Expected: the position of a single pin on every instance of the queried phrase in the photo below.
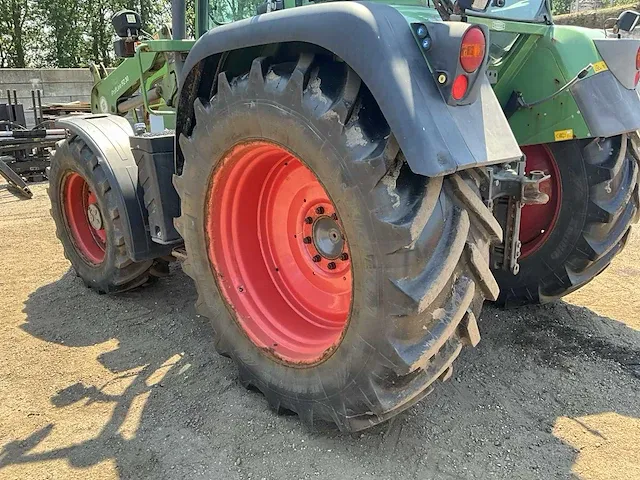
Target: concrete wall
(56, 85)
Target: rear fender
(108, 137)
(376, 41)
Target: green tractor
(347, 182)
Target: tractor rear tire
(413, 272)
(594, 202)
(78, 187)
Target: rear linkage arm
(509, 189)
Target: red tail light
(472, 49)
(637, 79)
(459, 87)
(638, 59)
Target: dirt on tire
(129, 386)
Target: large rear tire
(85, 210)
(415, 273)
(568, 242)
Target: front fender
(376, 41)
(108, 137)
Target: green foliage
(67, 33)
(15, 32)
(224, 11)
(560, 7)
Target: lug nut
(320, 210)
(344, 256)
(334, 216)
(307, 240)
(331, 265)
(317, 258)
(308, 220)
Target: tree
(224, 11)
(13, 32)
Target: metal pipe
(33, 133)
(15, 98)
(178, 32)
(33, 104)
(12, 118)
(138, 100)
(178, 19)
(40, 106)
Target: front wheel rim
(84, 219)
(278, 248)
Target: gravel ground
(129, 387)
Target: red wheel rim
(538, 221)
(84, 218)
(278, 249)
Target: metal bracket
(16, 184)
(509, 190)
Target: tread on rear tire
(600, 202)
(419, 246)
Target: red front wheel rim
(84, 218)
(278, 248)
(538, 221)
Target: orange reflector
(637, 79)
(638, 59)
(459, 87)
(472, 49)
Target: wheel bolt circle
(344, 256)
(307, 240)
(331, 265)
(320, 210)
(308, 220)
(334, 216)
(317, 258)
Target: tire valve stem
(316, 258)
(307, 240)
(308, 220)
(331, 265)
(344, 256)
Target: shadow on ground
(496, 416)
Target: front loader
(347, 182)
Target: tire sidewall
(320, 146)
(65, 161)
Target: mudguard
(608, 108)
(376, 41)
(108, 137)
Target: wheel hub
(94, 216)
(280, 252)
(327, 237)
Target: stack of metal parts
(25, 153)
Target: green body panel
(542, 59)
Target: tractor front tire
(85, 210)
(568, 242)
(341, 284)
